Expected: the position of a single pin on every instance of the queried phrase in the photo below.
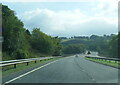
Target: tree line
(73, 49)
(106, 45)
(19, 42)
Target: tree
(118, 45)
(57, 46)
(14, 44)
(21, 43)
(28, 32)
(105, 45)
(44, 43)
(88, 52)
(73, 49)
(113, 46)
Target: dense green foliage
(44, 43)
(73, 49)
(20, 43)
(119, 45)
(113, 46)
(104, 45)
(14, 44)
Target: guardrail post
(35, 61)
(14, 65)
(105, 59)
(27, 63)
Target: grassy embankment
(8, 70)
(109, 63)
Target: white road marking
(29, 72)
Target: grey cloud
(58, 26)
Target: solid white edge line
(29, 72)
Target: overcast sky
(69, 18)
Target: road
(71, 70)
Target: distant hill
(75, 41)
(100, 44)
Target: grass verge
(8, 70)
(112, 63)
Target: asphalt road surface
(71, 70)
